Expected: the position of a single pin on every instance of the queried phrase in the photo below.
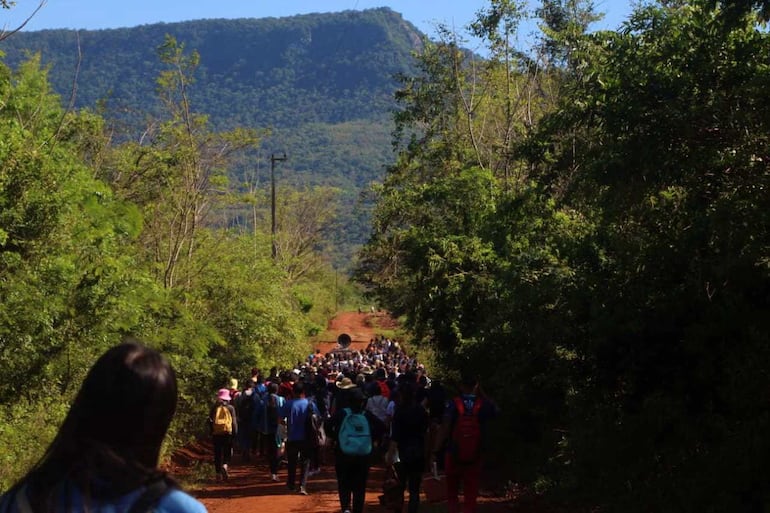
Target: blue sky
(99, 14)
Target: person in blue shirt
(104, 457)
(267, 417)
(298, 447)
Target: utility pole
(273, 160)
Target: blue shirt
(173, 501)
(261, 422)
(295, 412)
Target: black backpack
(271, 410)
(246, 406)
(149, 499)
(315, 432)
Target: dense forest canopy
(585, 224)
(267, 72)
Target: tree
(177, 170)
(7, 4)
(304, 217)
(467, 246)
(662, 141)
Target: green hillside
(322, 84)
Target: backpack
(355, 437)
(466, 435)
(245, 406)
(271, 410)
(384, 389)
(223, 421)
(153, 493)
(314, 428)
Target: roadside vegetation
(585, 225)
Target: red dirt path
(249, 488)
(362, 327)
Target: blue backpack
(355, 437)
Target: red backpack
(384, 388)
(466, 435)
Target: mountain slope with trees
(268, 72)
(319, 87)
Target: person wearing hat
(232, 386)
(223, 424)
(352, 470)
(341, 394)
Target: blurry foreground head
(110, 441)
(126, 403)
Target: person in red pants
(462, 429)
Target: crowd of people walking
(372, 406)
(366, 407)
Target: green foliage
(100, 241)
(26, 431)
(322, 83)
(669, 132)
(613, 262)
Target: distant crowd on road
(370, 406)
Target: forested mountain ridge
(256, 72)
(294, 76)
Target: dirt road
(250, 490)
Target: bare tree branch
(6, 4)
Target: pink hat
(223, 394)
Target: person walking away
(297, 444)
(286, 386)
(382, 382)
(315, 435)
(463, 429)
(435, 403)
(353, 429)
(260, 390)
(232, 386)
(409, 428)
(223, 424)
(268, 420)
(377, 405)
(341, 400)
(244, 409)
(105, 454)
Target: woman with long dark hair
(105, 455)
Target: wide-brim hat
(345, 383)
(223, 394)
